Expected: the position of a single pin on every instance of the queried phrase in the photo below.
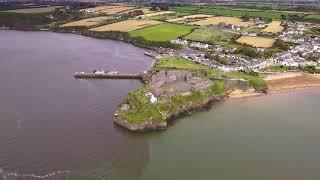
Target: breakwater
(82, 75)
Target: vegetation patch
(182, 64)
(315, 17)
(195, 16)
(166, 17)
(162, 32)
(33, 10)
(181, 101)
(24, 21)
(141, 110)
(255, 80)
(231, 12)
(278, 68)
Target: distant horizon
(203, 1)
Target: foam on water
(6, 175)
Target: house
(230, 26)
(222, 25)
(179, 41)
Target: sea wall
(143, 127)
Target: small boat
(149, 54)
(112, 72)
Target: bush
(247, 51)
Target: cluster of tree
(216, 58)
(117, 35)
(247, 51)
(73, 5)
(282, 45)
(246, 17)
(291, 17)
(314, 57)
(24, 21)
(160, 6)
(281, 7)
(310, 69)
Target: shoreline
(278, 82)
(285, 82)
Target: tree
(314, 57)
(283, 17)
(245, 17)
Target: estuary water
(53, 126)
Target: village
(304, 52)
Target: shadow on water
(55, 127)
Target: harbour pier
(83, 75)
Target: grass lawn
(257, 82)
(279, 68)
(313, 16)
(141, 109)
(211, 36)
(181, 101)
(162, 32)
(182, 64)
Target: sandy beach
(281, 82)
(242, 94)
(289, 81)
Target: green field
(24, 21)
(279, 68)
(211, 36)
(313, 16)
(227, 11)
(162, 32)
(168, 16)
(141, 108)
(255, 81)
(181, 64)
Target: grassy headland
(140, 110)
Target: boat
(112, 72)
(149, 54)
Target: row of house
(306, 53)
(203, 46)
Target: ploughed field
(156, 14)
(258, 42)
(274, 27)
(221, 19)
(111, 9)
(86, 22)
(127, 26)
(162, 32)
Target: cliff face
(144, 127)
(189, 109)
